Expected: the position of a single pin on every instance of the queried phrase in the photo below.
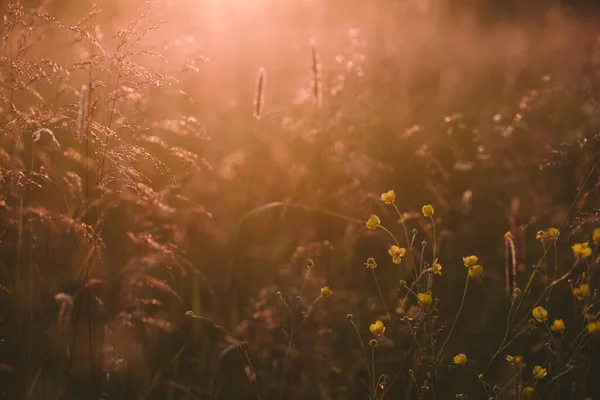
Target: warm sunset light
(299, 199)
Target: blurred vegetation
(168, 170)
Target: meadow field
(299, 199)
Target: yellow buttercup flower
(476, 272)
(436, 268)
(527, 391)
(373, 222)
(425, 299)
(470, 261)
(397, 253)
(460, 359)
(596, 236)
(388, 197)
(589, 317)
(325, 291)
(553, 233)
(377, 329)
(558, 326)
(427, 210)
(514, 360)
(582, 292)
(539, 372)
(540, 314)
(593, 328)
(581, 250)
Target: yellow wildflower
(476, 272)
(460, 359)
(582, 292)
(388, 197)
(325, 291)
(549, 235)
(540, 314)
(436, 268)
(541, 235)
(581, 250)
(425, 299)
(397, 253)
(427, 210)
(589, 317)
(377, 329)
(514, 360)
(539, 372)
(593, 328)
(553, 233)
(558, 326)
(470, 261)
(596, 236)
(527, 391)
(373, 222)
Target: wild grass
(320, 237)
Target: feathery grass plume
(84, 99)
(259, 93)
(64, 313)
(37, 135)
(510, 263)
(316, 82)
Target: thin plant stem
(389, 233)
(362, 346)
(434, 238)
(506, 330)
(374, 393)
(462, 303)
(381, 294)
(408, 241)
(310, 309)
(243, 353)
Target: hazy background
(466, 105)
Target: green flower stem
(374, 394)
(462, 303)
(381, 294)
(408, 241)
(389, 233)
(434, 239)
(362, 346)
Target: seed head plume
(316, 82)
(83, 112)
(259, 93)
(510, 264)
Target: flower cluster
(422, 290)
(475, 270)
(550, 235)
(581, 250)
